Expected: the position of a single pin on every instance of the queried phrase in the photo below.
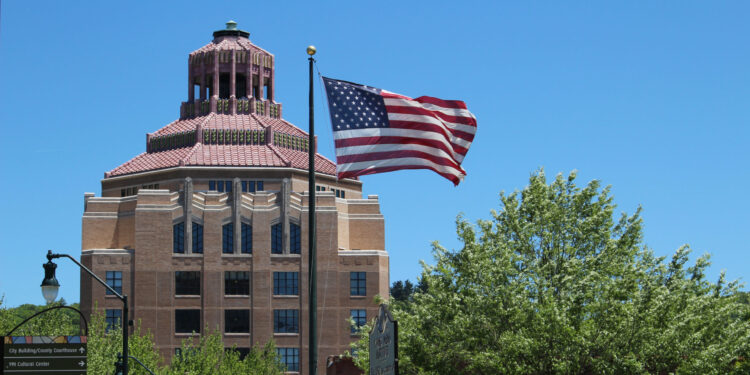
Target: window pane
(294, 238)
(114, 280)
(358, 283)
(187, 321)
(237, 321)
(236, 283)
(260, 185)
(276, 239)
(244, 186)
(113, 318)
(212, 185)
(251, 186)
(227, 238)
(286, 283)
(178, 238)
(360, 318)
(220, 186)
(228, 186)
(187, 283)
(289, 357)
(285, 321)
(197, 238)
(247, 239)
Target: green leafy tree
(51, 323)
(207, 355)
(554, 284)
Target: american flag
(378, 131)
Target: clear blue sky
(652, 98)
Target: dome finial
(231, 25)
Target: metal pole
(123, 298)
(311, 230)
(125, 322)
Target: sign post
(44, 355)
(384, 344)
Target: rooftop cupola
(230, 75)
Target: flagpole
(312, 273)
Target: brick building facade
(208, 227)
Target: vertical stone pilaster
(249, 74)
(285, 190)
(215, 96)
(236, 214)
(261, 73)
(191, 90)
(188, 209)
(233, 84)
(203, 82)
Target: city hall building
(208, 228)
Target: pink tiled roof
(230, 44)
(226, 155)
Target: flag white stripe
(429, 120)
(458, 112)
(363, 165)
(391, 132)
(450, 125)
(367, 149)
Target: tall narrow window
(260, 185)
(114, 280)
(286, 283)
(236, 283)
(197, 238)
(212, 185)
(294, 238)
(247, 239)
(289, 357)
(113, 317)
(359, 317)
(178, 238)
(276, 247)
(187, 283)
(358, 283)
(227, 238)
(220, 186)
(286, 321)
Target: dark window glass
(247, 239)
(227, 238)
(197, 238)
(228, 186)
(260, 185)
(251, 186)
(243, 352)
(358, 283)
(289, 357)
(178, 238)
(294, 238)
(343, 194)
(285, 321)
(187, 283)
(276, 239)
(360, 318)
(220, 186)
(187, 321)
(244, 186)
(114, 280)
(236, 283)
(236, 321)
(212, 185)
(286, 283)
(113, 317)
(122, 192)
(338, 193)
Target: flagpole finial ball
(311, 50)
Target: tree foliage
(555, 284)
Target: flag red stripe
(398, 124)
(428, 99)
(426, 112)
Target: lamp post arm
(51, 256)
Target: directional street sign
(44, 355)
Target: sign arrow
(82, 350)
(82, 364)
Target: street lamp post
(50, 287)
